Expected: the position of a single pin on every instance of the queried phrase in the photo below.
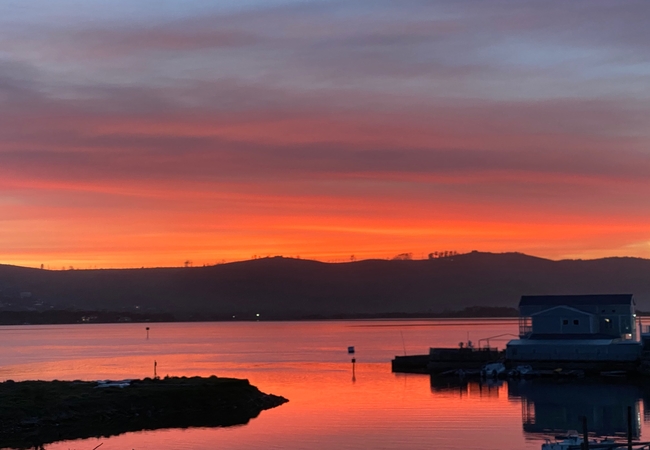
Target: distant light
(258, 314)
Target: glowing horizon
(148, 135)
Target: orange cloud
(288, 130)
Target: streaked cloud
(500, 116)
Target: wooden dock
(444, 359)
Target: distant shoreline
(67, 317)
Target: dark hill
(285, 287)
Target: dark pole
(629, 428)
(585, 434)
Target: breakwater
(34, 413)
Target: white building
(576, 328)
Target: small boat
(493, 370)
(461, 373)
(614, 374)
(524, 371)
(573, 441)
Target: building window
(565, 321)
(576, 321)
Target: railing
(498, 337)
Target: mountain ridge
(279, 286)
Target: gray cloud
(437, 73)
(116, 42)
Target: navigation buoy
(354, 360)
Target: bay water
(331, 406)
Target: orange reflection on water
(305, 362)
(327, 410)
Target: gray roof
(562, 307)
(571, 300)
(570, 337)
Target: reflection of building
(646, 401)
(582, 328)
(551, 407)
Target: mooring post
(147, 332)
(585, 434)
(629, 428)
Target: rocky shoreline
(34, 413)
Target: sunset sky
(148, 133)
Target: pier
(444, 359)
(558, 334)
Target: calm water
(307, 362)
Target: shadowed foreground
(33, 413)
